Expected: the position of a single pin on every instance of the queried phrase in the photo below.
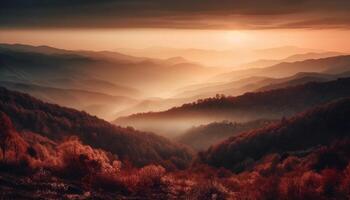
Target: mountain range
(39, 69)
(271, 104)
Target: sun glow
(237, 38)
(112, 39)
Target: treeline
(296, 135)
(257, 105)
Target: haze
(185, 99)
(145, 28)
(141, 56)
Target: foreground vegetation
(34, 166)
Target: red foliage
(57, 123)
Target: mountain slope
(300, 78)
(202, 137)
(318, 126)
(250, 106)
(56, 123)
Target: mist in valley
(174, 100)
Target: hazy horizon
(185, 99)
(140, 38)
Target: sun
(237, 37)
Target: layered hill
(44, 70)
(333, 65)
(57, 123)
(95, 103)
(31, 63)
(257, 83)
(298, 136)
(297, 79)
(202, 137)
(250, 106)
(293, 58)
(219, 57)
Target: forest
(301, 157)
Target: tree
(6, 128)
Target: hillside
(300, 78)
(57, 123)
(272, 104)
(296, 81)
(299, 134)
(202, 137)
(34, 167)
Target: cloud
(192, 14)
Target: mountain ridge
(316, 126)
(271, 104)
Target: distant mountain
(57, 123)
(236, 87)
(93, 85)
(177, 60)
(52, 51)
(226, 58)
(250, 106)
(311, 55)
(300, 78)
(203, 56)
(333, 65)
(106, 73)
(283, 51)
(95, 103)
(293, 58)
(202, 137)
(297, 136)
(153, 76)
(254, 79)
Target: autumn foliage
(56, 123)
(303, 157)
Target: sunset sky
(208, 24)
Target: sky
(206, 24)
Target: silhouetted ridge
(273, 103)
(318, 126)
